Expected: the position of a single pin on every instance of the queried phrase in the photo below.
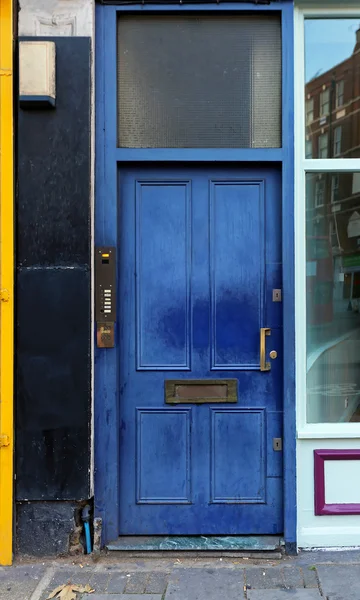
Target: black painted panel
(53, 384)
(53, 368)
(44, 528)
(54, 166)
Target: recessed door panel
(237, 222)
(163, 255)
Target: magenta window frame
(320, 456)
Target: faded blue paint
(107, 384)
(199, 154)
(288, 224)
(193, 251)
(106, 405)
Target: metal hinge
(4, 440)
(277, 444)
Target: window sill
(329, 431)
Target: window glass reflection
(332, 88)
(333, 297)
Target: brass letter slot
(200, 391)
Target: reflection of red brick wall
(333, 217)
(347, 115)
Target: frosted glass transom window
(199, 81)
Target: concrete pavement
(310, 576)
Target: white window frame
(320, 10)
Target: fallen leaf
(69, 591)
(55, 592)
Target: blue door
(200, 373)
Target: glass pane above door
(199, 81)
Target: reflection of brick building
(333, 199)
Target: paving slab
(310, 577)
(136, 583)
(121, 597)
(291, 594)
(157, 583)
(99, 581)
(265, 578)
(340, 582)
(293, 577)
(206, 584)
(65, 575)
(117, 583)
(18, 583)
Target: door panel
(236, 251)
(199, 256)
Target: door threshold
(201, 543)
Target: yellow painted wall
(6, 281)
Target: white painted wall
(326, 530)
(56, 17)
(342, 481)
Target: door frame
(107, 478)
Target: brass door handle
(264, 366)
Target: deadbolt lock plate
(273, 354)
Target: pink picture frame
(321, 508)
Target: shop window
(333, 304)
(332, 342)
(337, 141)
(332, 65)
(339, 94)
(323, 145)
